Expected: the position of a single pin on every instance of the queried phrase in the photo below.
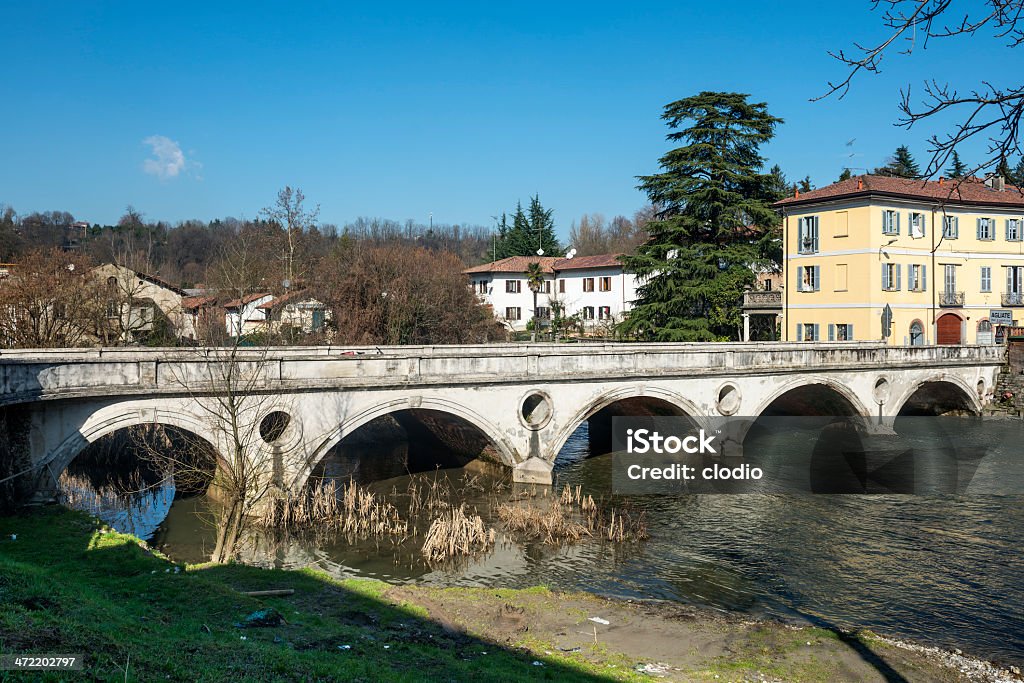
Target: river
(940, 570)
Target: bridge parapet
(31, 375)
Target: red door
(948, 329)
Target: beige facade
(947, 265)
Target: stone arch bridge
(522, 402)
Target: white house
(594, 287)
(244, 315)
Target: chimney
(860, 183)
(998, 183)
(942, 181)
(796, 193)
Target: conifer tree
(1018, 173)
(529, 231)
(901, 165)
(845, 175)
(958, 169)
(714, 222)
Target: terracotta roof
(248, 298)
(289, 297)
(515, 264)
(549, 264)
(191, 302)
(968, 191)
(584, 262)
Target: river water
(940, 570)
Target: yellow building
(947, 259)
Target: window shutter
(1009, 279)
(814, 233)
(800, 278)
(898, 276)
(979, 228)
(885, 276)
(831, 332)
(897, 217)
(799, 332)
(814, 332)
(800, 233)
(817, 278)
(956, 226)
(849, 333)
(924, 278)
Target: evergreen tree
(714, 223)
(958, 169)
(901, 165)
(1004, 170)
(845, 175)
(778, 186)
(1018, 173)
(805, 185)
(529, 230)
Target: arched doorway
(985, 332)
(916, 333)
(948, 330)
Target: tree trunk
(533, 337)
(229, 528)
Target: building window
(890, 222)
(950, 227)
(840, 332)
(588, 312)
(561, 286)
(605, 284)
(543, 313)
(807, 332)
(807, 228)
(513, 287)
(891, 277)
(604, 313)
(916, 224)
(916, 333)
(986, 279)
(917, 278)
(513, 313)
(985, 231)
(588, 284)
(808, 278)
(547, 286)
(1013, 230)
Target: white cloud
(168, 160)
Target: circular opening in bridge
(536, 410)
(881, 390)
(728, 399)
(273, 426)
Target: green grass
(68, 585)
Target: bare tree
(49, 301)
(988, 110)
(289, 213)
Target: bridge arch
(822, 391)
(118, 419)
(938, 394)
(676, 403)
(506, 452)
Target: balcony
(1013, 298)
(951, 298)
(762, 300)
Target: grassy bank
(69, 586)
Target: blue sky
(403, 110)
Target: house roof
(145, 276)
(289, 298)
(515, 264)
(971, 191)
(549, 264)
(247, 299)
(193, 302)
(584, 262)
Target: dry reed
(353, 510)
(570, 518)
(456, 534)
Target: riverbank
(70, 586)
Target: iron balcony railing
(1013, 298)
(951, 298)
